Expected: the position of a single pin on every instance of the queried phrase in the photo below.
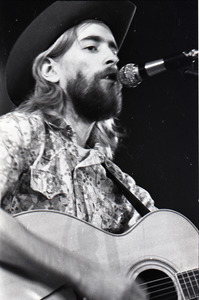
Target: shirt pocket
(46, 183)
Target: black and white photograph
(99, 150)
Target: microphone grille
(129, 75)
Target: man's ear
(50, 71)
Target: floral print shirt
(41, 169)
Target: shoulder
(22, 121)
(21, 127)
(19, 119)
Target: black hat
(51, 24)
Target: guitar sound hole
(157, 285)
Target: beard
(97, 99)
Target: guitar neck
(189, 282)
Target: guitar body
(160, 248)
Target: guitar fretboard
(189, 282)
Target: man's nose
(111, 59)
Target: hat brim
(49, 25)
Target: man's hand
(57, 267)
(107, 285)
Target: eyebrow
(99, 39)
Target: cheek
(72, 66)
(67, 72)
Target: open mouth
(111, 76)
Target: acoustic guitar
(161, 250)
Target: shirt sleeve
(15, 141)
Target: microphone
(132, 75)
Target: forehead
(86, 30)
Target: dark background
(160, 115)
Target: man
(54, 144)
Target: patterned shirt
(42, 169)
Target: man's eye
(91, 48)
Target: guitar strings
(157, 285)
(193, 271)
(168, 293)
(154, 286)
(166, 278)
(155, 280)
(190, 292)
(172, 296)
(160, 292)
(167, 281)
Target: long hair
(50, 99)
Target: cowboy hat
(49, 25)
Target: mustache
(110, 73)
